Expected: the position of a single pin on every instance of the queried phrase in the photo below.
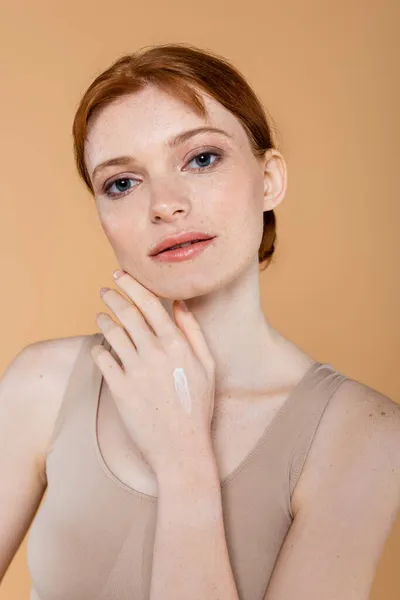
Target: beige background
(326, 71)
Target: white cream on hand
(182, 389)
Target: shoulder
(48, 363)
(348, 498)
(35, 383)
(358, 436)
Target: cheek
(117, 231)
(240, 196)
(241, 209)
(111, 225)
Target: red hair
(179, 69)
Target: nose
(168, 201)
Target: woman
(190, 453)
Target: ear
(275, 178)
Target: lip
(180, 254)
(180, 238)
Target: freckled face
(164, 190)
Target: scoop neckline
(268, 429)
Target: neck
(238, 334)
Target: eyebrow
(172, 143)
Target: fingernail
(183, 305)
(117, 274)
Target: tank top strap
(79, 388)
(306, 414)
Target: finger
(118, 339)
(190, 327)
(132, 320)
(150, 307)
(111, 370)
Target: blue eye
(203, 159)
(121, 181)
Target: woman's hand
(164, 390)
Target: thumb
(187, 323)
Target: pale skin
(222, 291)
(226, 321)
(164, 361)
(222, 294)
(226, 349)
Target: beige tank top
(93, 536)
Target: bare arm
(31, 390)
(345, 509)
(348, 503)
(190, 558)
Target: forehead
(150, 117)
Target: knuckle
(127, 308)
(152, 305)
(113, 328)
(173, 341)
